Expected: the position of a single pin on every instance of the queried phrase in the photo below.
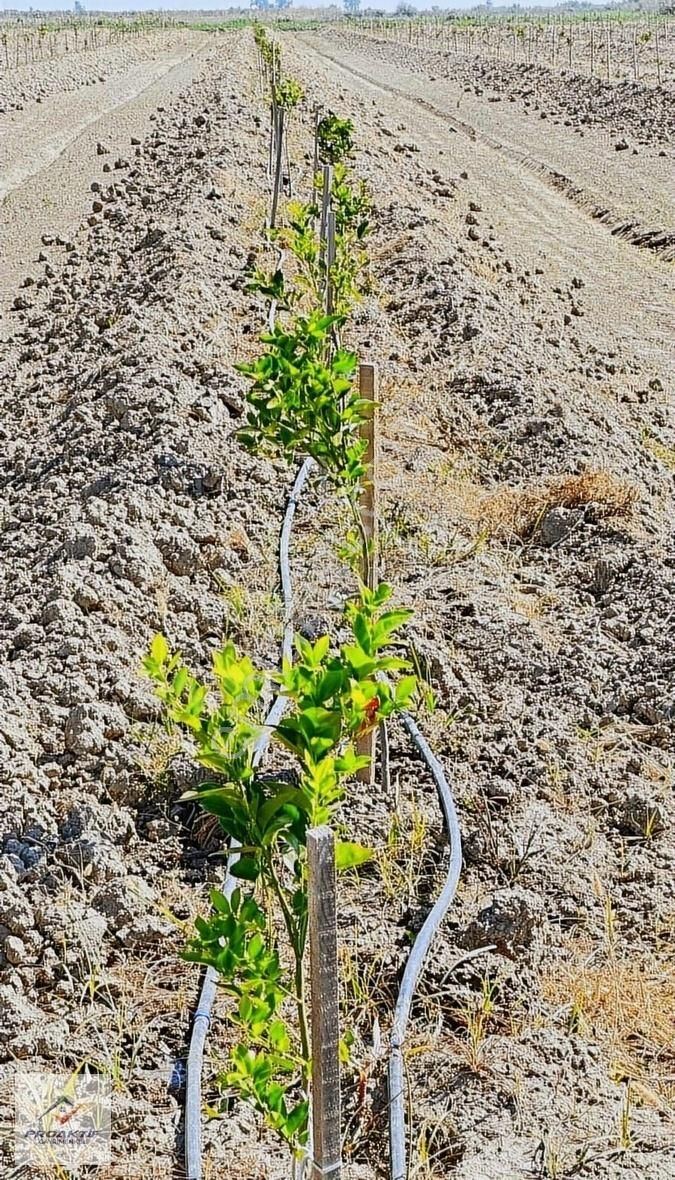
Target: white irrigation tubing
(202, 1016)
(397, 1128)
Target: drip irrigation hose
(415, 963)
(397, 1091)
(202, 1017)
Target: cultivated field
(508, 270)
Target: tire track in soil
(661, 240)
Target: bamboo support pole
(327, 182)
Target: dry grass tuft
(519, 511)
(628, 1007)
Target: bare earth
(525, 362)
(48, 150)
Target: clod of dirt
(510, 922)
(558, 523)
(639, 813)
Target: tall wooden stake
(609, 52)
(327, 189)
(330, 260)
(369, 518)
(315, 162)
(326, 1129)
(369, 498)
(278, 166)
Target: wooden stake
(315, 165)
(369, 496)
(369, 517)
(326, 1129)
(609, 52)
(279, 164)
(325, 204)
(330, 260)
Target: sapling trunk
(366, 555)
(297, 938)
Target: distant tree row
(268, 5)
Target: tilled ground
(606, 147)
(636, 108)
(527, 505)
(37, 81)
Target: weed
(366, 987)
(626, 1004)
(551, 1164)
(625, 1128)
(519, 511)
(159, 747)
(523, 853)
(653, 823)
(659, 450)
(401, 860)
(592, 739)
(249, 614)
(609, 925)
(437, 1148)
(476, 1017)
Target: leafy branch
(336, 695)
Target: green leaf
(361, 664)
(220, 801)
(404, 690)
(362, 633)
(320, 650)
(220, 902)
(246, 868)
(350, 761)
(288, 795)
(159, 649)
(348, 855)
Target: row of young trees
(610, 48)
(28, 42)
(304, 400)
